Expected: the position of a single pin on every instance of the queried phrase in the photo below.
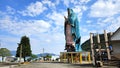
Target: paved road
(57, 65)
(7, 65)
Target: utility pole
(43, 55)
(20, 52)
(43, 50)
(92, 48)
(99, 46)
(106, 43)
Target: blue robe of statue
(73, 20)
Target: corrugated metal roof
(114, 34)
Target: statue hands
(65, 18)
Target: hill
(44, 54)
(13, 53)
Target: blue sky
(43, 21)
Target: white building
(54, 58)
(115, 39)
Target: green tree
(48, 57)
(32, 57)
(24, 45)
(4, 52)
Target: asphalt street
(58, 65)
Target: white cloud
(49, 3)
(58, 18)
(49, 42)
(24, 27)
(57, 2)
(114, 25)
(84, 30)
(42, 34)
(109, 23)
(105, 8)
(33, 9)
(79, 11)
(79, 2)
(66, 3)
(74, 1)
(103, 23)
(107, 13)
(84, 1)
(88, 21)
(10, 10)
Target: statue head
(70, 11)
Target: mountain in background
(13, 53)
(44, 54)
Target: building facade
(115, 39)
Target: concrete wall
(116, 50)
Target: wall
(116, 51)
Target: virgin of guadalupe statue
(71, 30)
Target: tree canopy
(32, 57)
(24, 45)
(48, 56)
(4, 52)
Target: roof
(116, 35)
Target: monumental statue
(71, 31)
